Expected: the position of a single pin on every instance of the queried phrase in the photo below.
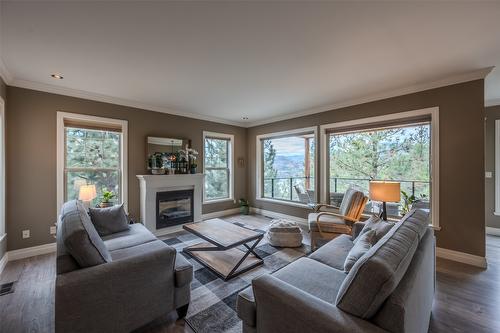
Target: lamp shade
(385, 191)
(87, 193)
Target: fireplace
(173, 208)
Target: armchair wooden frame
(353, 217)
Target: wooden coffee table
(220, 252)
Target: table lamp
(385, 192)
(86, 194)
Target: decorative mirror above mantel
(164, 155)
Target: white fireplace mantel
(151, 184)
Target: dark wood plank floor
(467, 298)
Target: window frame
(230, 161)
(432, 112)
(259, 181)
(61, 152)
(497, 168)
(3, 227)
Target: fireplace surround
(168, 201)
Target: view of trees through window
(92, 157)
(288, 168)
(217, 172)
(401, 154)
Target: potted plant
(155, 162)
(408, 201)
(193, 168)
(244, 207)
(106, 199)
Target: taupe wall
(31, 155)
(3, 94)
(492, 113)
(462, 191)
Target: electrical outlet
(488, 174)
(26, 233)
(53, 230)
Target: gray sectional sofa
(114, 283)
(389, 289)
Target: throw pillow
(380, 226)
(362, 246)
(109, 220)
(80, 237)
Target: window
(2, 169)
(286, 166)
(218, 166)
(92, 151)
(388, 148)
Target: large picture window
(217, 166)
(398, 147)
(287, 166)
(92, 153)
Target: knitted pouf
(284, 233)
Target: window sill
(207, 202)
(284, 202)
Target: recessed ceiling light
(57, 76)
(244, 118)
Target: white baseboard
(3, 262)
(493, 231)
(31, 251)
(272, 214)
(220, 213)
(462, 257)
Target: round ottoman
(284, 233)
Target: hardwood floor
(467, 298)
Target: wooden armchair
(328, 224)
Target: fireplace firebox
(173, 208)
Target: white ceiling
(262, 60)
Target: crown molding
(492, 102)
(455, 79)
(115, 100)
(460, 78)
(4, 73)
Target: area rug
(213, 301)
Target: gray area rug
(213, 301)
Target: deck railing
(337, 184)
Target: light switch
(488, 174)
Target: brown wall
(462, 191)
(31, 155)
(492, 113)
(3, 95)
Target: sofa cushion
(305, 274)
(136, 234)
(362, 245)
(80, 238)
(375, 276)
(109, 220)
(312, 277)
(183, 271)
(139, 249)
(334, 252)
(380, 226)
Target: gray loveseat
(389, 289)
(129, 278)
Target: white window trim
(258, 166)
(3, 229)
(231, 166)
(433, 112)
(61, 116)
(497, 167)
